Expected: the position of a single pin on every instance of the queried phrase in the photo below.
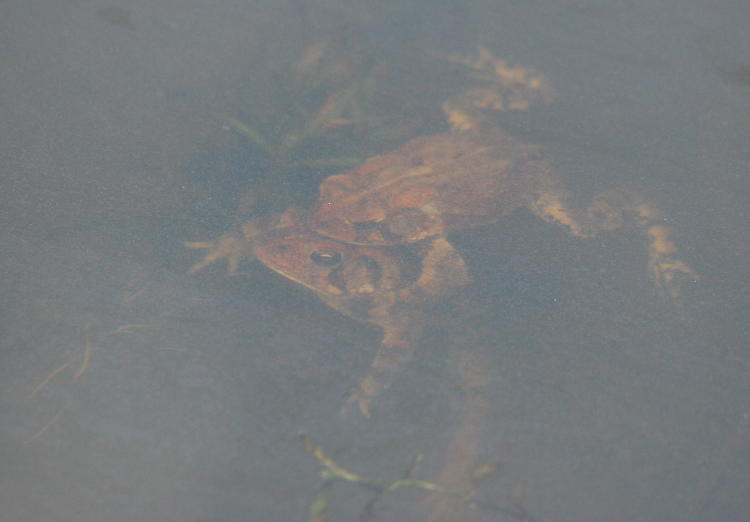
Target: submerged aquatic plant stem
(332, 471)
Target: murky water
(560, 386)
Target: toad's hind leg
(609, 211)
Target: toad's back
(430, 186)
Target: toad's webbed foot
(669, 273)
(359, 399)
(234, 246)
(391, 358)
(227, 246)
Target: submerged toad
(375, 244)
(390, 286)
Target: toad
(376, 246)
(391, 286)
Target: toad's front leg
(403, 315)
(234, 246)
(394, 354)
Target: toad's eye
(326, 257)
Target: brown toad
(375, 245)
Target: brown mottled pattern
(460, 179)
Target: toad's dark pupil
(326, 257)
